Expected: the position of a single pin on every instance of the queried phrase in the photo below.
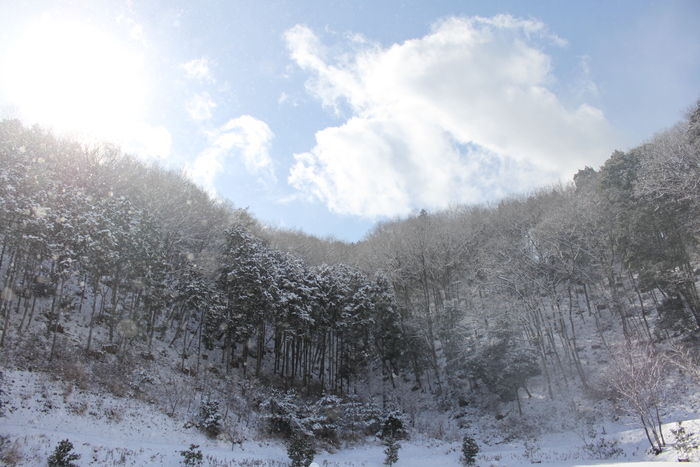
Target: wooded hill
(106, 258)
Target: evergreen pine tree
(300, 451)
(192, 456)
(393, 430)
(210, 419)
(392, 450)
(469, 451)
(62, 455)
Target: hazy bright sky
(329, 116)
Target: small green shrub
(394, 426)
(192, 456)
(391, 450)
(469, 451)
(300, 451)
(210, 419)
(62, 455)
(392, 431)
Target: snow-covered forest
(556, 311)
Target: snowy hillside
(105, 430)
(139, 317)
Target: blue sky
(330, 116)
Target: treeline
(500, 293)
(474, 296)
(321, 326)
(135, 254)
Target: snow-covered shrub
(69, 367)
(673, 316)
(394, 426)
(391, 451)
(10, 452)
(285, 415)
(171, 393)
(531, 450)
(62, 455)
(686, 443)
(209, 420)
(142, 379)
(603, 448)
(324, 418)
(470, 449)
(300, 451)
(512, 427)
(77, 408)
(328, 419)
(502, 362)
(636, 377)
(359, 418)
(393, 429)
(114, 374)
(30, 353)
(192, 456)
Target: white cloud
(200, 106)
(583, 86)
(458, 116)
(199, 69)
(244, 137)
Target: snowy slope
(106, 431)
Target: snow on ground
(107, 431)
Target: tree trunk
(95, 292)
(58, 319)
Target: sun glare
(73, 77)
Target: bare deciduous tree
(636, 378)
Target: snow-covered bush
(359, 418)
(513, 426)
(114, 374)
(636, 378)
(394, 426)
(209, 420)
(300, 451)
(391, 450)
(531, 451)
(10, 452)
(686, 443)
(69, 367)
(328, 419)
(603, 448)
(324, 417)
(192, 456)
(285, 414)
(503, 362)
(172, 393)
(393, 429)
